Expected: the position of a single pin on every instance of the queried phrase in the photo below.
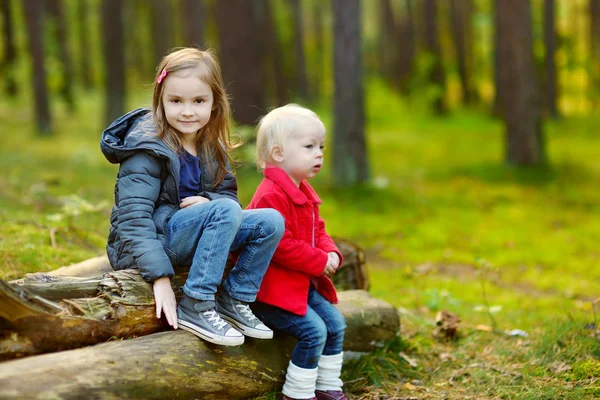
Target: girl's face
(188, 103)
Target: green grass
(441, 202)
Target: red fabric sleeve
(326, 243)
(293, 253)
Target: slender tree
(114, 58)
(350, 161)
(318, 71)
(86, 74)
(10, 53)
(162, 38)
(193, 15)
(240, 64)
(460, 22)
(519, 104)
(594, 12)
(55, 8)
(388, 42)
(433, 48)
(273, 57)
(550, 54)
(407, 46)
(300, 62)
(34, 11)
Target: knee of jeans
(315, 336)
(274, 223)
(337, 324)
(230, 210)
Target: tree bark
(34, 11)
(594, 12)
(388, 42)
(407, 47)
(520, 107)
(350, 161)
(178, 364)
(84, 44)
(114, 59)
(274, 58)
(194, 16)
(300, 62)
(161, 29)
(10, 53)
(550, 57)
(433, 48)
(56, 10)
(460, 22)
(240, 64)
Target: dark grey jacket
(147, 193)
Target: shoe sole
(247, 331)
(211, 337)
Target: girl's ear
(277, 153)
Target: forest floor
(445, 224)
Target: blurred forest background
(463, 156)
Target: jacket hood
(131, 133)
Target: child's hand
(165, 300)
(193, 200)
(333, 259)
(329, 270)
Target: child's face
(302, 155)
(188, 102)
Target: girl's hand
(333, 259)
(329, 270)
(193, 200)
(165, 300)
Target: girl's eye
(322, 147)
(176, 101)
(309, 146)
(200, 101)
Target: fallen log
(351, 275)
(177, 364)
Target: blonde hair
(278, 125)
(214, 139)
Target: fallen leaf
(559, 367)
(411, 361)
(410, 386)
(484, 328)
(447, 357)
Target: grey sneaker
(239, 314)
(201, 319)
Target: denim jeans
(319, 332)
(202, 236)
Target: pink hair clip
(162, 76)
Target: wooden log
(351, 275)
(177, 364)
(37, 316)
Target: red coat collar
(299, 195)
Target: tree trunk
(300, 63)
(86, 74)
(550, 57)
(114, 59)
(432, 45)
(55, 8)
(350, 164)
(34, 10)
(318, 70)
(193, 16)
(52, 312)
(178, 364)
(594, 12)
(520, 104)
(274, 58)
(161, 29)
(460, 23)
(407, 46)
(388, 42)
(240, 64)
(10, 53)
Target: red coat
(302, 253)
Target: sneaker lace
(246, 312)
(215, 319)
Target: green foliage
(440, 203)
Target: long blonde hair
(214, 139)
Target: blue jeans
(203, 235)
(319, 332)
